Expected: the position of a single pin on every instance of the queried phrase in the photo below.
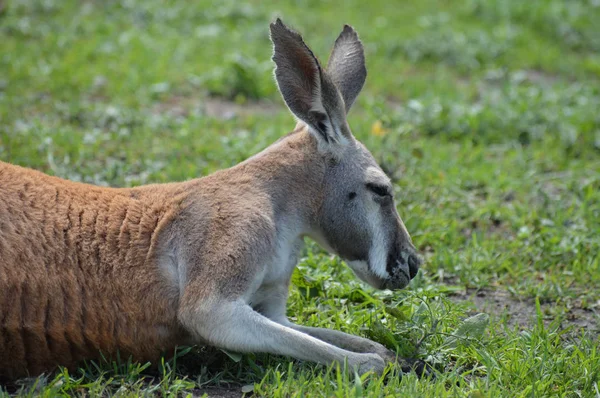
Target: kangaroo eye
(380, 190)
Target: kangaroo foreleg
(236, 326)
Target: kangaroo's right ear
(346, 65)
(304, 86)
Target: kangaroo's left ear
(346, 65)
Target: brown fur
(79, 264)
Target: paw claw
(420, 367)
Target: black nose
(413, 265)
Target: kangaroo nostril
(413, 265)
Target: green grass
(490, 130)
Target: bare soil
(220, 392)
(521, 313)
(214, 107)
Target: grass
(485, 114)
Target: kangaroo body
(86, 270)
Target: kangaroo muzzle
(405, 267)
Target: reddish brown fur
(79, 264)
(77, 273)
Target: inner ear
(320, 121)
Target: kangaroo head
(357, 216)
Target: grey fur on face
(357, 217)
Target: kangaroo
(87, 269)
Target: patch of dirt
(222, 109)
(522, 313)
(538, 76)
(533, 76)
(220, 392)
(494, 227)
(214, 107)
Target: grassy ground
(486, 115)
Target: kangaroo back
(78, 273)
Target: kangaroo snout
(414, 263)
(402, 268)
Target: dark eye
(352, 195)
(380, 190)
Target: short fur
(86, 269)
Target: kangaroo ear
(308, 93)
(346, 65)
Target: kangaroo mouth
(399, 270)
(399, 277)
(363, 271)
(402, 266)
